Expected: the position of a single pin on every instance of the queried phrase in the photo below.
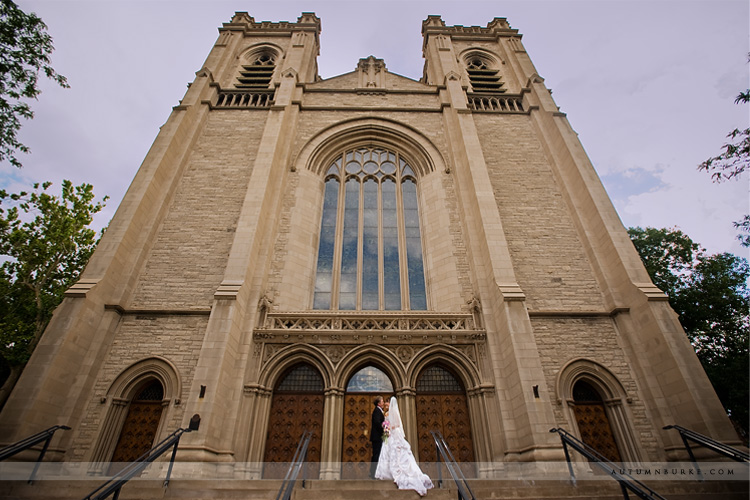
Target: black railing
(25, 444)
(115, 484)
(462, 485)
(298, 462)
(627, 482)
(711, 444)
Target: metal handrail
(627, 482)
(285, 492)
(711, 444)
(116, 482)
(25, 444)
(464, 491)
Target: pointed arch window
(483, 75)
(257, 74)
(370, 251)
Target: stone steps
(483, 489)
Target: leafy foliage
(744, 226)
(668, 255)
(45, 242)
(732, 163)
(710, 295)
(736, 156)
(25, 48)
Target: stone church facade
(292, 246)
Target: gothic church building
(292, 246)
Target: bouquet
(386, 430)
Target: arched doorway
(442, 405)
(141, 424)
(592, 420)
(297, 405)
(361, 390)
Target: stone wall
(561, 340)
(177, 339)
(187, 260)
(546, 249)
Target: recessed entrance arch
(597, 405)
(361, 389)
(442, 405)
(296, 406)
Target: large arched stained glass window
(370, 251)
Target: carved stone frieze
(335, 334)
(332, 326)
(374, 321)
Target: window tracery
(370, 249)
(436, 379)
(301, 378)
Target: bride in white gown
(396, 461)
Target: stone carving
(371, 73)
(335, 353)
(469, 353)
(404, 353)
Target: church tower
(292, 246)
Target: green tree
(668, 254)
(715, 315)
(45, 242)
(710, 295)
(25, 48)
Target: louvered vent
(482, 77)
(258, 74)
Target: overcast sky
(649, 86)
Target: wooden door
(361, 390)
(297, 405)
(595, 430)
(449, 414)
(442, 406)
(138, 431)
(140, 427)
(356, 450)
(592, 420)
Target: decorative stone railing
(337, 333)
(496, 103)
(357, 326)
(366, 322)
(244, 99)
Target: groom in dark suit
(376, 433)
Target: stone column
(330, 453)
(109, 435)
(258, 400)
(253, 429)
(480, 430)
(407, 406)
(512, 349)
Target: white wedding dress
(396, 461)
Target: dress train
(397, 461)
